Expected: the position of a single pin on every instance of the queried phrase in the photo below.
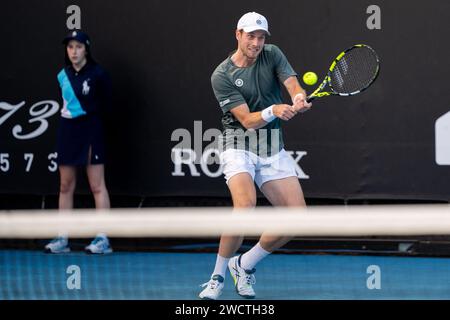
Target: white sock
(221, 266)
(253, 256)
(64, 235)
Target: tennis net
(175, 274)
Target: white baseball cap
(252, 21)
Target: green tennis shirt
(259, 86)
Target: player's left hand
(300, 104)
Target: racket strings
(355, 71)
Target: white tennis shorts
(261, 170)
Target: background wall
(160, 54)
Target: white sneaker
(243, 279)
(100, 245)
(58, 245)
(213, 288)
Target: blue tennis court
(26, 274)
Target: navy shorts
(76, 137)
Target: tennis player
(247, 86)
(86, 91)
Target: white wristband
(267, 114)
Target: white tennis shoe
(58, 245)
(100, 245)
(243, 279)
(213, 288)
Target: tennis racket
(353, 71)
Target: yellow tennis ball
(310, 78)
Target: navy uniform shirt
(84, 92)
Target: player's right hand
(284, 111)
(300, 104)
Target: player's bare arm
(254, 120)
(297, 93)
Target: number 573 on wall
(5, 162)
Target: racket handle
(309, 99)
